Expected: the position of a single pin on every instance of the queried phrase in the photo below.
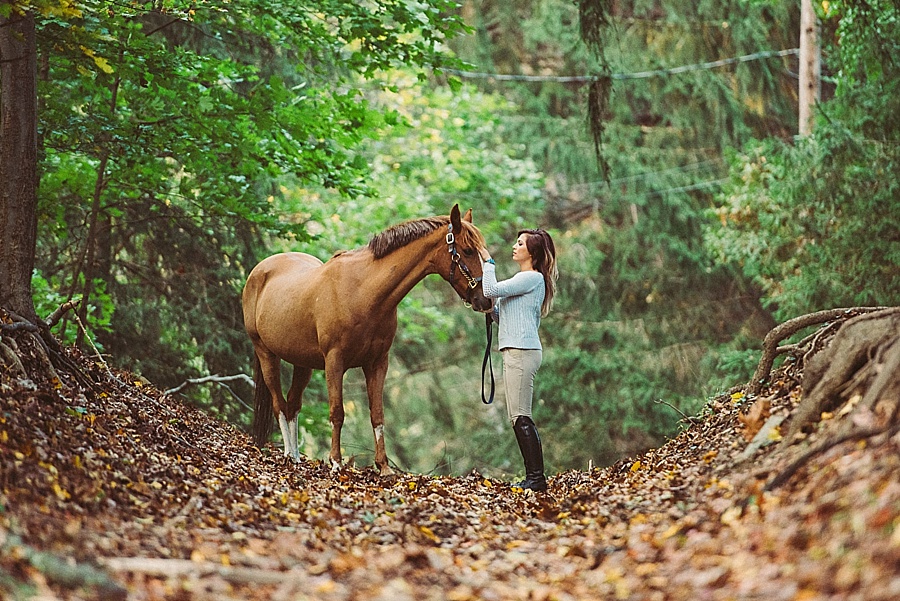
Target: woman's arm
(521, 283)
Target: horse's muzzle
(481, 303)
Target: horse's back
(279, 277)
(284, 263)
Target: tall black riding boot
(530, 445)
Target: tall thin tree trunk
(810, 66)
(96, 264)
(18, 161)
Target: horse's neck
(394, 275)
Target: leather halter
(455, 260)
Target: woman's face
(520, 251)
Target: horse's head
(463, 269)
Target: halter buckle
(450, 238)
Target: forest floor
(114, 491)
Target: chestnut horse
(343, 314)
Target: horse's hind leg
(294, 403)
(270, 365)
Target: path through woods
(111, 490)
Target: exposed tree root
(860, 362)
(771, 350)
(787, 473)
(21, 340)
(849, 372)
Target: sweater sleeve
(521, 283)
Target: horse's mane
(398, 236)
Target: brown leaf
(754, 419)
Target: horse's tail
(263, 418)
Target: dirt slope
(118, 492)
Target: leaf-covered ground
(120, 492)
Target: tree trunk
(810, 66)
(18, 161)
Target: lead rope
(487, 359)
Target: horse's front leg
(334, 378)
(375, 375)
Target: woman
(521, 302)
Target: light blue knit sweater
(518, 307)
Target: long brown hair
(543, 258)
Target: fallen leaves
(754, 419)
(176, 505)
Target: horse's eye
(469, 252)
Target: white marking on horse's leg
(285, 434)
(335, 466)
(294, 435)
(379, 451)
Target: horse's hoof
(387, 471)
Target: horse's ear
(468, 216)
(454, 218)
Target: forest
(723, 262)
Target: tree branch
(205, 379)
(64, 308)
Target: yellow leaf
(61, 494)
(103, 64)
(737, 396)
(487, 483)
(635, 466)
(77, 462)
(197, 556)
(710, 456)
(429, 533)
(774, 434)
(672, 531)
(4, 437)
(412, 486)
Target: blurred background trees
(182, 144)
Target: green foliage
(814, 223)
(445, 148)
(169, 132)
(48, 299)
(644, 314)
(183, 142)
